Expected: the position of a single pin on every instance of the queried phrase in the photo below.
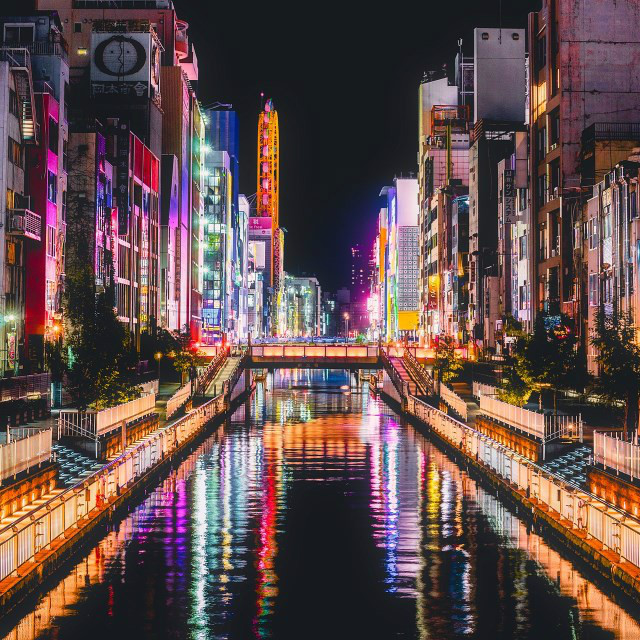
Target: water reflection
(317, 513)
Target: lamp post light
(346, 326)
(158, 356)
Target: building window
(77, 27)
(53, 136)
(633, 205)
(64, 206)
(542, 143)
(65, 99)
(606, 222)
(522, 247)
(15, 153)
(542, 189)
(51, 241)
(541, 52)
(52, 187)
(51, 295)
(13, 102)
(593, 289)
(65, 156)
(18, 34)
(554, 129)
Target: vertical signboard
(509, 197)
(123, 144)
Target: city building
(580, 56)
(24, 226)
(303, 306)
(401, 296)
(499, 130)
(45, 177)
(329, 321)
(217, 242)
(443, 174)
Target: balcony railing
(24, 222)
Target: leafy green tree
(447, 364)
(513, 389)
(618, 360)
(549, 359)
(55, 355)
(187, 361)
(101, 358)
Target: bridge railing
(294, 351)
(581, 510)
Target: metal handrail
(419, 373)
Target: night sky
(345, 84)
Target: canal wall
(600, 535)
(34, 547)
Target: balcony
(25, 223)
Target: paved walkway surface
(465, 391)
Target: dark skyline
(345, 84)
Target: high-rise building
(217, 246)
(443, 174)
(359, 274)
(222, 135)
(401, 302)
(498, 132)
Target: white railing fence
(33, 532)
(24, 453)
(92, 424)
(583, 511)
(528, 421)
(539, 425)
(614, 453)
(483, 389)
(454, 401)
(179, 398)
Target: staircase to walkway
(217, 384)
(399, 366)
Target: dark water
(317, 513)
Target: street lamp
(158, 357)
(346, 325)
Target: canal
(315, 512)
